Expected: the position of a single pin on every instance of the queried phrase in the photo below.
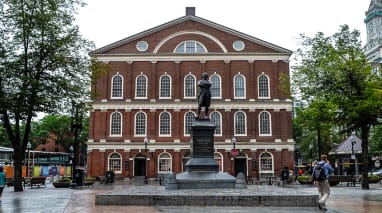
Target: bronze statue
(204, 97)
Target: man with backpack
(320, 176)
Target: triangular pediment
(217, 38)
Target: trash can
(109, 177)
(79, 177)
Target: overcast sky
(276, 21)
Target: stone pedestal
(202, 170)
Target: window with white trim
(115, 124)
(189, 119)
(216, 119)
(240, 123)
(266, 162)
(185, 159)
(140, 124)
(141, 87)
(265, 124)
(189, 86)
(115, 163)
(190, 47)
(164, 163)
(164, 124)
(219, 160)
(239, 87)
(215, 86)
(117, 87)
(165, 87)
(263, 84)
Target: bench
(37, 181)
(9, 182)
(351, 180)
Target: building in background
(150, 95)
(373, 21)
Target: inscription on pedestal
(203, 147)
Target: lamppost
(353, 142)
(145, 141)
(76, 127)
(71, 162)
(311, 152)
(234, 143)
(29, 146)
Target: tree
(44, 66)
(335, 70)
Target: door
(140, 166)
(240, 166)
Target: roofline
(186, 18)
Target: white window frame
(160, 171)
(221, 164)
(195, 47)
(136, 86)
(244, 89)
(120, 124)
(185, 122)
(160, 124)
(117, 160)
(112, 87)
(135, 124)
(185, 87)
(261, 125)
(266, 172)
(245, 124)
(259, 85)
(220, 86)
(220, 122)
(160, 87)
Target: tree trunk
(19, 155)
(365, 155)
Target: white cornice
(205, 57)
(252, 106)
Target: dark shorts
(1, 190)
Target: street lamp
(353, 142)
(71, 162)
(29, 146)
(234, 142)
(311, 152)
(145, 141)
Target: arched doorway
(140, 165)
(240, 164)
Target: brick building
(150, 95)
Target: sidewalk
(50, 199)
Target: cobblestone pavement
(81, 200)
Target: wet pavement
(82, 199)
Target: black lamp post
(234, 143)
(71, 162)
(76, 127)
(29, 146)
(145, 141)
(310, 152)
(353, 142)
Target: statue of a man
(204, 97)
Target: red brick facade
(124, 152)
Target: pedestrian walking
(320, 176)
(2, 182)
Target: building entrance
(240, 166)
(140, 166)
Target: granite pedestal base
(204, 180)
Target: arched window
(240, 124)
(265, 124)
(266, 163)
(116, 124)
(140, 124)
(189, 86)
(216, 119)
(185, 159)
(239, 84)
(190, 47)
(141, 87)
(263, 83)
(115, 163)
(215, 86)
(219, 160)
(164, 163)
(117, 87)
(164, 124)
(189, 118)
(165, 87)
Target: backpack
(319, 172)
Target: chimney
(190, 11)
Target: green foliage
(44, 66)
(333, 71)
(64, 180)
(304, 178)
(373, 178)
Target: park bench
(37, 181)
(350, 180)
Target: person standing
(320, 176)
(2, 182)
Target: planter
(61, 184)
(305, 179)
